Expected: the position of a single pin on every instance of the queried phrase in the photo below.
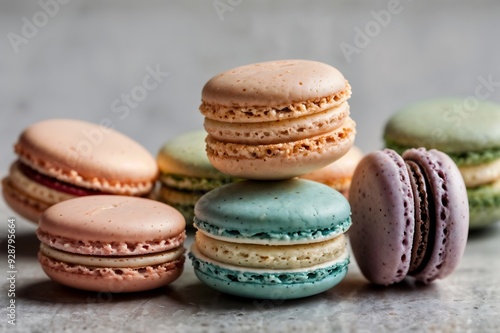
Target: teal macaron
(467, 130)
(186, 173)
(271, 240)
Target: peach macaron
(111, 243)
(277, 119)
(60, 159)
(338, 175)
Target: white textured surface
(91, 53)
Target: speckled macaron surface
(410, 216)
(277, 119)
(66, 158)
(112, 243)
(468, 130)
(271, 239)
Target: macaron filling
(188, 183)
(274, 237)
(425, 219)
(232, 273)
(112, 261)
(53, 183)
(460, 158)
(277, 256)
(110, 248)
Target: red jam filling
(55, 184)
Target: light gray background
(91, 52)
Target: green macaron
(466, 129)
(186, 173)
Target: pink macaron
(111, 243)
(410, 216)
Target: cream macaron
(60, 159)
(278, 119)
(338, 175)
(111, 243)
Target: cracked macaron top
(273, 212)
(410, 215)
(111, 226)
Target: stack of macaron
(469, 134)
(278, 119)
(60, 159)
(281, 238)
(83, 183)
(186, 173)
(269, 235)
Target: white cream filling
(475, 175)
(115, 261)
(196, 252)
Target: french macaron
(278, 119)
(410, 216)
(271, 240)
(112, 243)
(468, 130)
(338, 175)
(186, 173)
(60, 159)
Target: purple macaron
(410, 216)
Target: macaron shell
(84, 153)
(108, 219)
(269, 283)
(277, 291)
(452, 212)
(383, 219)
(185, 155)
(112, 280)
(257, 208)
(281, 161)
(274, 83)
(446, 125)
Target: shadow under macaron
(53, 292)
(211, 300)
